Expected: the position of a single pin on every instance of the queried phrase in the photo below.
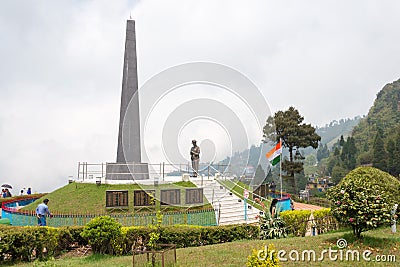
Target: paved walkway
(303, 206)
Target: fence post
(163, 170)
(79, 169)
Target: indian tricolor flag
(274, 155)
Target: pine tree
(288, 126)
(379, 154)
(322, 152)
(341, 142)
(348, 155)
(393, 149)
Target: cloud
(61, 68)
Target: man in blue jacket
(41, 211)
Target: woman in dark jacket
(272, 208)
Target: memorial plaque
(144, 197)
(117, 199)
(170, 197)
(194, 196)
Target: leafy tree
(364, 198)
(288, 125)
(310, 160)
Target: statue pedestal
(127, 171)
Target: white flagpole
(280, 165)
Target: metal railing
(98, 171)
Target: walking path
(303, 206)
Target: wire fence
(319, 225)
(17, 217)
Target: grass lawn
(380, 242)
(80, 198)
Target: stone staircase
(229, 207)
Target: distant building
(319, 183)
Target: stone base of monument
(127, 171)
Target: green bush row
(187, 236)
(32, 242)
(297, 221)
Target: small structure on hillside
(318, 183)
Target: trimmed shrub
(364, 199)
(296, 221)
(103, 235)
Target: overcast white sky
(61, 67)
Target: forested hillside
(374, 141)
(335, 129)
(377, 137)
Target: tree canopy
(289, 127)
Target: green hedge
(28, 243)
(297, 220)
(33, 242)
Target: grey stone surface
(128, 165)
(127, 171)
(129, 123)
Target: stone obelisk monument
(129, 165)
(129, 122)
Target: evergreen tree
(393, 149)
(336, 152)
(322, 152)
(288, 126)
(379, 154)
(341, 141)
(348, 155)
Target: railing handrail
(254, 194)
(92, 170)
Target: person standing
(272, 186)
(8, 193)
(41, 211)
(29, 191)
(195, 157)
(272, 208)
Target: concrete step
(231, 210)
